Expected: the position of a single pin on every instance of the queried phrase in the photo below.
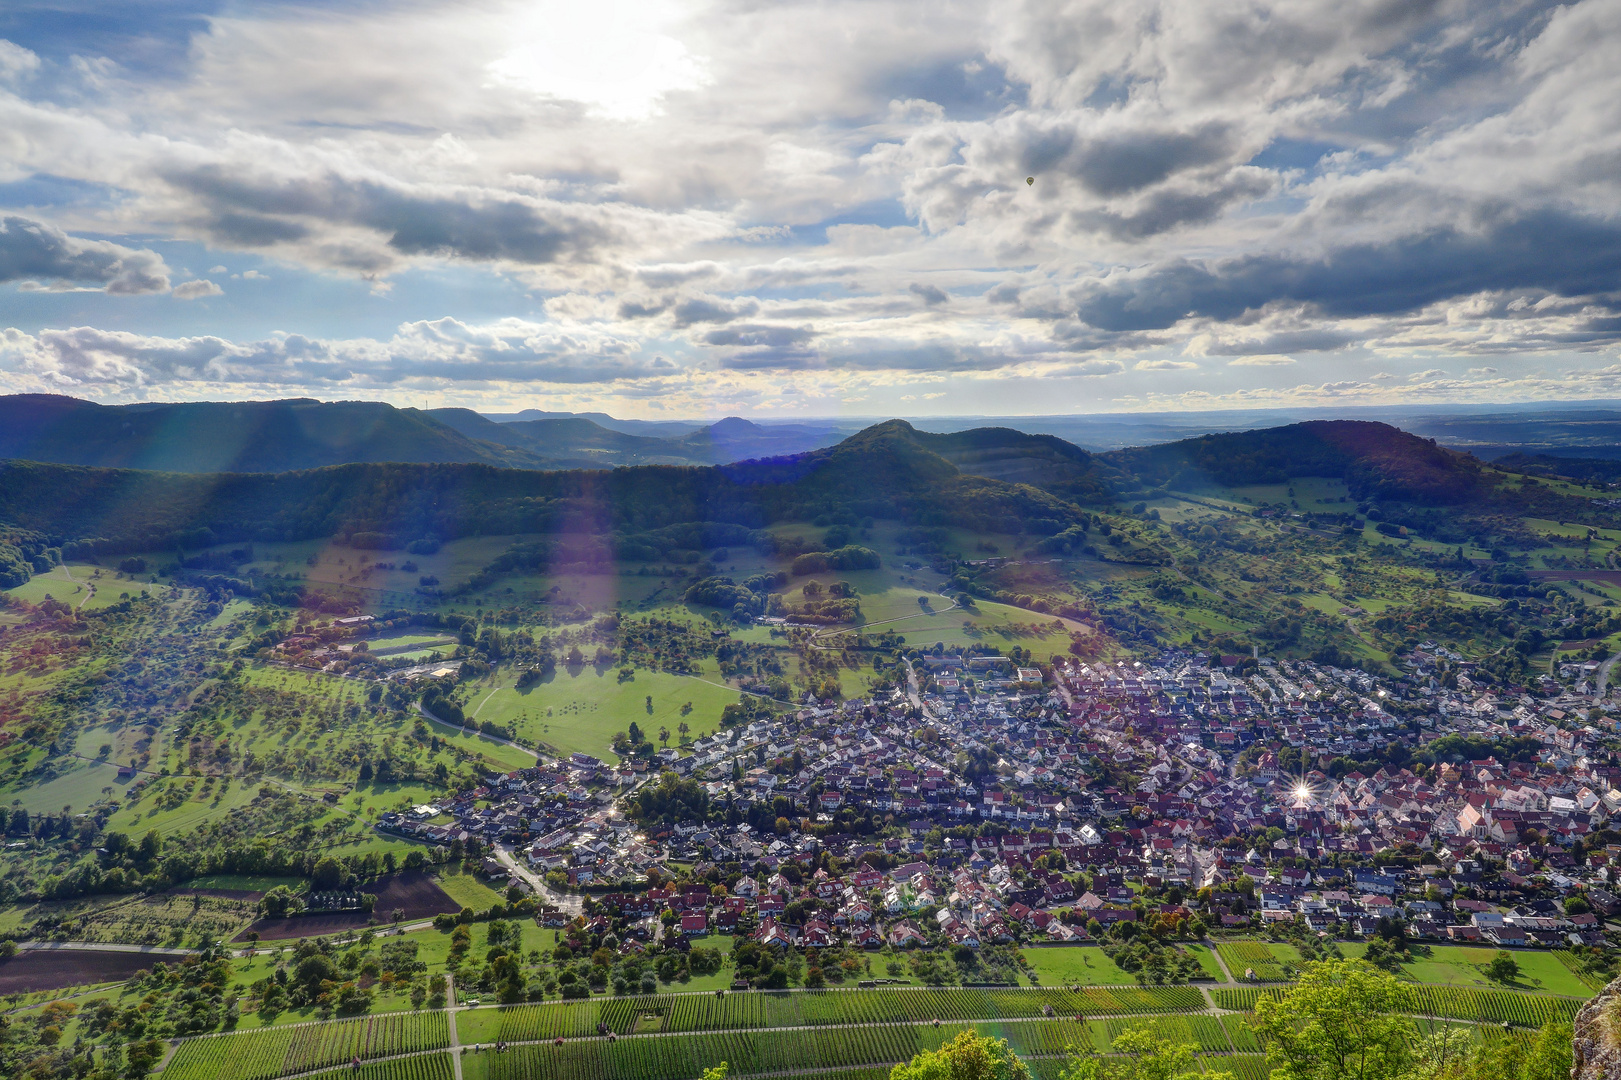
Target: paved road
(1602, 680)
(455, 1040)
(101, 946)
(566, 901)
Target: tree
(1548, 1058)
(328, 873)
(1502, 969)
(1342, 1021)
(967, 1057)
(1140, 1055)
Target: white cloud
(193, 290)
(16, 62)
(814, 190)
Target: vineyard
(1241, 1034)
(1574, 964)
(682, 1057)
(1244, 956)
(682, 1013)
(1243, 999)
(1242, 1066)
(1205, 1032)
(1453, 1002)
(424, 1067)
(1494, 1006)
(854, 1031)
(262, 1055)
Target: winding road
(1602, 679)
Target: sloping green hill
(1375, 461)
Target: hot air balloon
(1030, 180)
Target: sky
(781, 208)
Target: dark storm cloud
(710, 309)
(773, 359)
(33, 250)
(1170, 208)
(465, 224)
(1558, 252)
(1118, 164)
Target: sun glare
(615, 56)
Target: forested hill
(235, 436)
(994, 479)
(281, 436)
(1375, 460)
(884, 471)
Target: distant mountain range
(992, 479)
(300, 433)
(279, 436)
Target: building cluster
(967, 808)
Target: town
(993, 805)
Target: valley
(942, 712)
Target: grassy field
(79, 585)
(581, 709)
(1071, 965)
(1455, 965)
(1207, 961)
(469, 891)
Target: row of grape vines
(1205, 1032)
(1243, 998)
(1495, 1006)
(1574, 964)
(261, 1055)
(685, 1056)
(704, 1012)
(425, 1067)
(1252, 956)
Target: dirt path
(485, 702)
(89, 589)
